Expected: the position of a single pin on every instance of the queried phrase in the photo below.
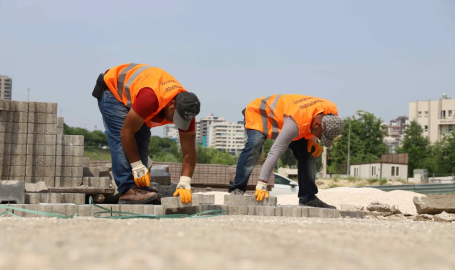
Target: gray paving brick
(13, 160)
(158, 210)
(12, 127)
(97, 181)
(18, 106)
(265, 210)
(42, 107)
(41, 118)
(168, 191)
(14, 149)
(15, 117)
(278, 211)
(43, 161)
(86, 162)
(60, 122)
(34, 128)
(49, 181)
(352, 214)
(13, 138)
(73, 172)
(251, 210)
(34, 198)
(12, 191)
(305, 211)
(174, 202)
(160, 175)
(208, 199)
(64, 209)
(75, 198)
(39, 171)
(13, 172)
(41, 150)
(39, 139)
(248, 200)
(237, 210)
(4, 104)
(84, 211)
(149, 209)
(71, 140)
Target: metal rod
(349, 147)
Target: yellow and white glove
(184, 189)
(141, 174)
(317, 148)
(261, 191)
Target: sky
(375, 56)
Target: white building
(202, 127)
(389, 171)
(437, 117)
(6, 87)
(171, 131)
(228, 136)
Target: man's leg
(114, 114)
(248, 159)
(306, 170)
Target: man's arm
(188, 143)
(132, 124)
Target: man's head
(326, 128)
(182, 109)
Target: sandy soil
(228, 242)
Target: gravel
(347, 195)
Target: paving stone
(12, 127)
(84, 211)
(60, 122)
(378, 207)
(64, 209)
(12, 191)
(13, 160)
(158, 210)
(69, 171)
(41, 150)
(248, 200)
(352, 214)
(14, 172)
(13, 149)
(40, 171)
(69, 140)
(15, 106)
(76, 198)
(174, 202)
(42, 107)
(34, 198)
(251, 210)
(40, 139)
(42, 161)
(12, 138)
(36, 187)
(168, 190)
(86, 162)
(68, 181)
(70, 150)
(265, 210)
(97, 181)
(34, 128)
(149, 209)
(96, 172)
(160, 175)
(34, 207)
(315, 212)
(41, 118)
(35, 179)
(208, 199)
(237, 210)
(15, 117)
(435, 204)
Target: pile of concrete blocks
(438, 208)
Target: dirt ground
(226, 242)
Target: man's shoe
(318, 203)
(137, 195)
(237, 192)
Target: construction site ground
(225, 242)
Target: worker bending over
(294, 121)
(133, 98)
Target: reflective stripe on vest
(121, 79)
(265, 123)
(131, 80)
(275, 130)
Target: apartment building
(397, 127)
(202, 127)
(6, 87)
(437, 117)
(228, 136)
(171, 131)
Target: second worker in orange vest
(132, 99)
(294, 121)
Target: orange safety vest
(125, 82)
(266, 114)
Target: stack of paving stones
(33, 149)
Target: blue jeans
(114, 114)
(250, 155)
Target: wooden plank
(85, 190)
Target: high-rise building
(6, 87)
(202, 127)
(397, 127)
(437, 117)
(171, 131)
(228, 136)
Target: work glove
(261, 191)
(141, 174)
(317, 148)
(184, 189)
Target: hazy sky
(370, 55)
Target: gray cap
(332, 126)
(187, 107)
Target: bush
(353, 179)
(333, 185)
(383, 181)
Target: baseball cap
(187, 107)
(332, 126)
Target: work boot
(237, 192)
(137, 195)
(318, 203)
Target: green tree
(91, 138)
(418, 148)
(367, 142)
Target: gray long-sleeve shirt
(288, 132)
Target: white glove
(141, 174)
(184, 189)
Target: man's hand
(317, 148)
(261, 191)
(141, 174)
(184, 189)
